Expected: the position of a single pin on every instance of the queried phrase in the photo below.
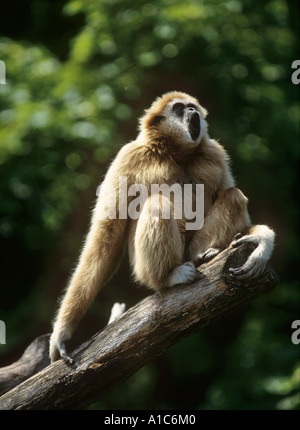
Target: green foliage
(65, 111)
(263, 357)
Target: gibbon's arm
(101, 253)
(260, 235)
(228, 221)
(226, 217)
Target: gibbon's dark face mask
(191, 116)
(194, 123)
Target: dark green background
(79, 74)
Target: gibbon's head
(176, 118)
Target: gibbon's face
(183, 120)
(176, 117)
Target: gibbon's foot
(255, 264)
(180, 275)
(116, 311)
(206, 256)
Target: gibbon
(172, 147)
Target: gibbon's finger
(238, 236)
(206, 256)
(249, 270)
(256, 270)
(246, 238)
(241, 271)
(63, 353)
(210, 253)
(251, 273)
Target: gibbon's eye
(191, 105)
(178, 108)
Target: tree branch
(34, 359)
(140, 334)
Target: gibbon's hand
(206, 256)
(58, 350)
(256, 262)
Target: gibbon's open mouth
(194, 125)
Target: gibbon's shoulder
(126, 153)
(133, 152)
(128, 149)
(129, 159)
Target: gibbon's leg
(159, 248)
(101, 252)
(227, 217)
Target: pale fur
(116, 311)
(160, 250)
